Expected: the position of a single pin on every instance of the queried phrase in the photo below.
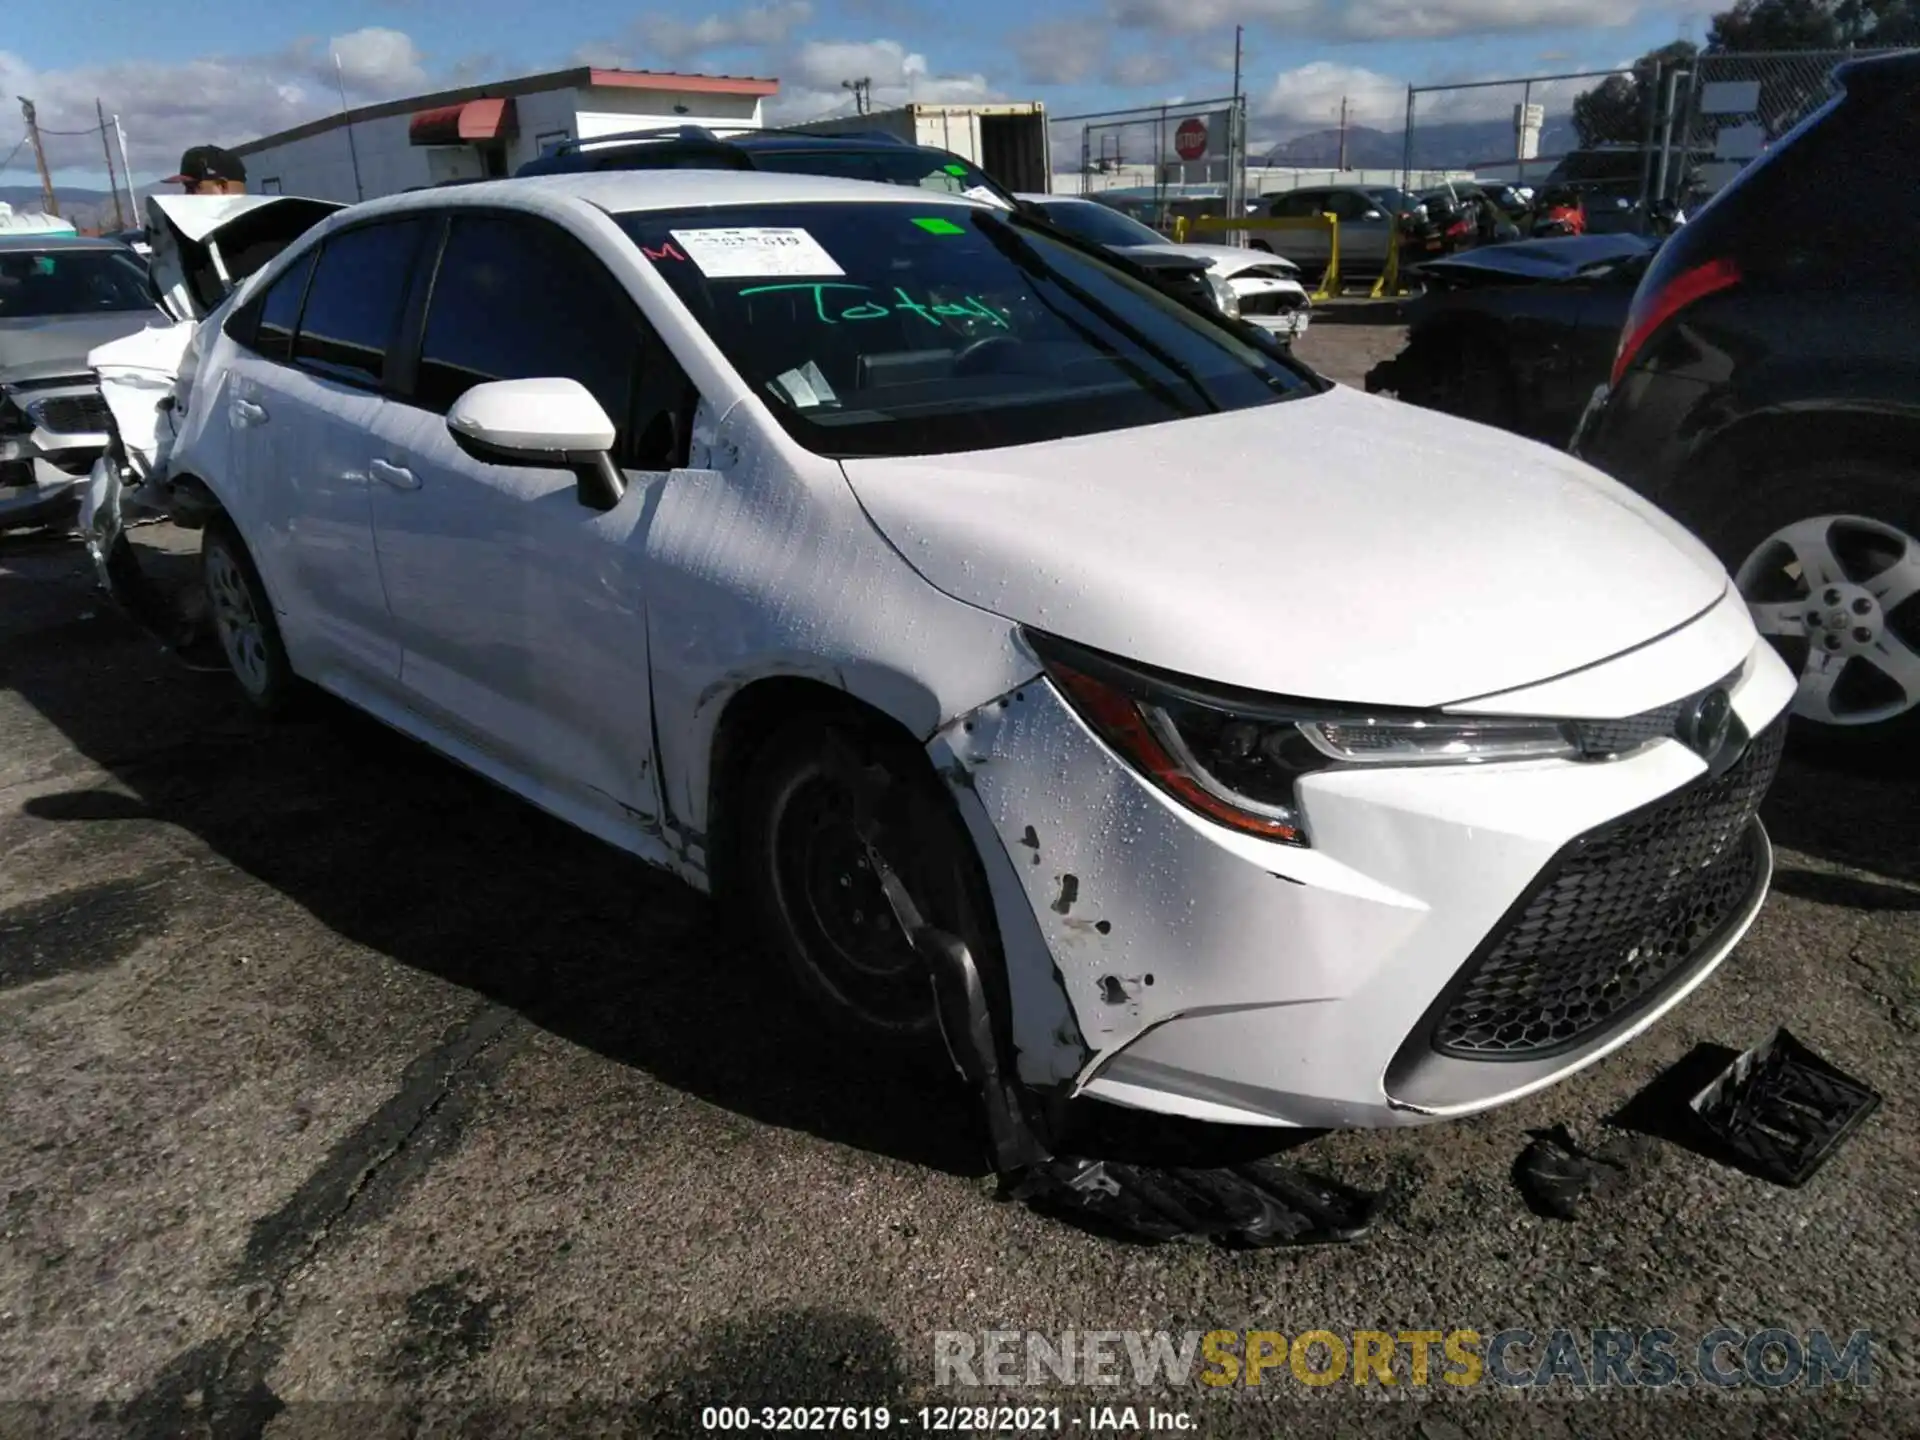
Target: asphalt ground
(342, 1093)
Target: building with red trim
(488, 130)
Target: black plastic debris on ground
(1252, 1205)
(1556, 1174)
(1780, 1110)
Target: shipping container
(1009, 142)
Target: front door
(520, 610)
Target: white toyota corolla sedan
(1282, 754)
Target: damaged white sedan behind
(1273, 753)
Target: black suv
(854, 155)
(849, 155)
(1766, 392)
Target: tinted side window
(280, 310)
(519, 299)
(355, 301)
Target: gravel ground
(343, 1092)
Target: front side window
(354, 301)
(517, 299)
(42, 284)
(1099, 224)
(902, 329)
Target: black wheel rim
(841, 928)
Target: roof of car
(54, 240)
(622, 191)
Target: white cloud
(1060, 52)
(812, 79)
(677, 40)
(167, 106)
(1310, 95)
(377, 60)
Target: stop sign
(1191, 139)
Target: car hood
(1337, 546)
(1223, 260)
(186, 232)
(54, 347)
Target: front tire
(815, 901)
(244, 621)
(1827, 557)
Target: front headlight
(1237, 758)
(1224, 299)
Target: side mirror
(554, 423)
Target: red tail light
(1650, 312)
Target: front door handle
(249, 413)
(398, 476)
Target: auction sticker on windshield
(754, 251)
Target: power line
(94, 130)
(6, 163)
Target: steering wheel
(964, 357)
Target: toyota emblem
(1705, 725)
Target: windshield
(1099, 224)
(935, 170)
(42, 283)
(900, 329)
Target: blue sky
(234, 70)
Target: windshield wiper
(1014, 246)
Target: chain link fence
(1155, 159)
(1519, 129)
(1726, 110)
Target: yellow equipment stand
(1389, 283)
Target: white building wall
(322, 167)
(608, 110)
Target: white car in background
(791, 533)
(1265, 289)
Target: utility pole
(113, 182)
(862, 95)
(126, 166)
(1343, 134)
(48, 199)
(1237, 122)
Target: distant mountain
(1459, 145)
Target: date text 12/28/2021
(946, 1419)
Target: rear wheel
(243, 619)
(818, 904)
(1827, 558)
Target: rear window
(1099, 224)
(41, 284)
(897, 329)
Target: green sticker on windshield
(43, 265)
(957, 170)
(934, 225)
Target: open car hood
(204, 245)
(1534, 262)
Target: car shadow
(407, 854)
(398, 850)
(1863, 813)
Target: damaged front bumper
(1223, 977)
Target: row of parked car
(952, 599)
(1757, 374)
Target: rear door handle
(398, 476)
(249, 413)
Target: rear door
(520, 609)
(303, 405)
(1306, 247)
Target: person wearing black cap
(209, 170)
